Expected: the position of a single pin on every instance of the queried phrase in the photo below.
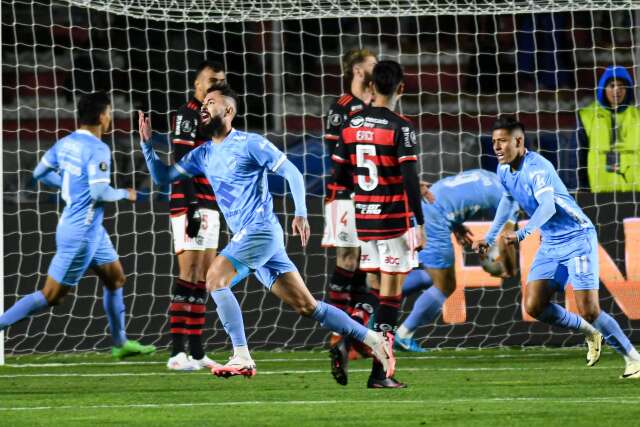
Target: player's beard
(213, 128)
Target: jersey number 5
(363, 160)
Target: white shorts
(340, 225)
(207, 237)
(392, 256)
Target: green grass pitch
(532, 387)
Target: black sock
(179, 311)
(363, 303)
(198, 309)
(339, 288)
(386, 321)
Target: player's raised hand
(133, 195)
(144, 126)
(480, 246)
(300, 226)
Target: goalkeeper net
(465, 63)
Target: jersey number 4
(364, 153)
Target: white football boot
(205, 362)
(594, 348)
(180, 362)
(632, 370)
(383, 351)
(236, 365)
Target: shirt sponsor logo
(364, 135)
(366, 209)
(377, 121)
(356, 122)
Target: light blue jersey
(569, 249)
(237, 170)
(82, 160)
(536, 176)
(463, 196)
(457, 199)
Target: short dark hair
(387, 76)
(225, 90)
(354, 57)
(91, 106)
(216, 66)
(509, 123)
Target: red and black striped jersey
(338, 115)
(184, 138)
(373, 144)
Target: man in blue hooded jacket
(609, 133)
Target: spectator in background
(609, 134)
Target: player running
(569, 249)
(376, 155)
(347, 287)
(80, 165)
(195, 223)
(236, 165)
(457, 199)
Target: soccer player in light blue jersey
(80, 165)
(236, 164)
(569, 249)
(457, 199)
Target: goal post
(465, 63)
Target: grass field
(470, 387)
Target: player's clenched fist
(480, 246)
(133, 195)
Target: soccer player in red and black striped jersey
(376, 154)
(195, 223)
(348, 288)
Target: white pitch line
(500, 400)
(284, 360)
(304, 371)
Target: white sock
(372, 339)
(242, 352)
(404, 333)
(586, 328)
(632, 356)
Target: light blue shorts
(574, 261)
(259, 249)
(75, 255)
(438, 253)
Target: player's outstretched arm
(160, 172)
(103, 192)
(295, 179)
(47, 175)
(503, 214)
(545, 210)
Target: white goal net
(465, 62)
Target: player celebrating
(457, 199)
(195, 223)
(348, 286)
(235, 164)
(569, 249)
(376, 155)
(80, 165)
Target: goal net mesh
(465, 63)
